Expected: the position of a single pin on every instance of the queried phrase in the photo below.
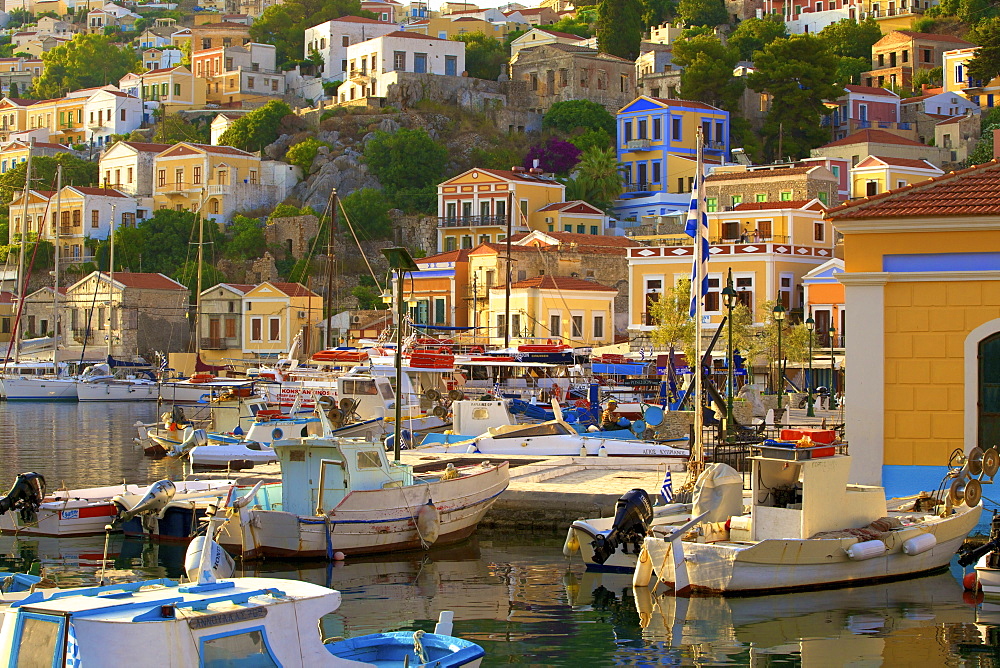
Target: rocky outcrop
(344, 172)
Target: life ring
(202, 378)
(443, 351)
(477, 350)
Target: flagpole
(697, 458)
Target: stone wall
(416, 232)
(263, 269)
(556, 72)
(292, 234)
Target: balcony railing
(639, 187)
(222, 343)
(471, 221)
(638, 144)
(219, 189)
(84, 335)
(360, 74)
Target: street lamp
(729, 299)
(400, 261)
(810, 327)
(779, 317)
(833, 371)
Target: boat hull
(192, 393)
(775, 565)
(30, 389)
(117, 391)
(557, 446)
(370, 521)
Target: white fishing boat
(344, 495)
(78, 512)
(551, 439)
(27, 388)
(98, 383)
(808, 528)
(201, 387)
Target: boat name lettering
(232, 617)
(640, 382)
(69, 514)
(654, 451)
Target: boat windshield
(238, 649)
(39, 641)
(544, 429)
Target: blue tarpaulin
(619, 369)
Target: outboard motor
(25, 496)
(970, 555)
(633, 515)
(157, 496)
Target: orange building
(440, 290)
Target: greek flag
(696, 213)
(496, 390)
(667, 490)
(72, 648)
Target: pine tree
(13, 89)
(619, 28)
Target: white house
(222, 122)
(111, 112)
(158, 59)
(127, 166)
(943, 104)
(331, 39)
(374, 65)
(540, 36)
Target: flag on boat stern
(667, 490)
(696, 213)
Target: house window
(760, 197)
(641, 129)
(178, 177)
(76, 218)
(737, 200)
(274, 84)
(215, 206)
(555, 325)
(576, 326)
(656, 172)
(345, 41)
(250, 82)
(130, 175)
(230, 325)
(819, 232)
(253, 176)
(623, 83)
(824, 198)
(177, 92)
(196, 175)
(712, 296)
(449, 244)
(274, 329)
(763, 230)
(628, 130)
(711, 204)
(656, 129)
(675, 129)
(256, 329)
(501, 324)
(161, 177)
(95, 218)
(927, 55)
(598, 327)
(786, 196)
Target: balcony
(638, 144)
(219, 190)
(84, 335)
(223, 343)
(639, 187)
(360, 75)
(472, 221)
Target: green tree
(245, 239)
(850, 39)
(76, 172)
(569, 115)
(986, 63)
(164, 242)
(752, 35)
(484, 55)
(368, 211)
(849, 70)
(673, 324)
(13, 89)
(657, 12)
(174, 128)
(796, 72)
(304, 153)
(368, 297)
(187, 274)
(571, 25)
(708, 71)
(19, 17)
(596, 179)
(984, 147)
(86, 61)
(284, 25)
(702, 12)
(406, 159)
(619, 28)
(257, 129)
(594, 137)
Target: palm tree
(597, 179)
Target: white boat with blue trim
(344, 495)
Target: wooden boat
(343, 495)
(807, 528)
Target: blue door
(420, 63)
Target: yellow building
(63, 117)
(956, 79)
(770, 247)
(473, 207)
(449, 27)
(206, 179)
(877, 174)
(440, 289)
(174, 88)
(13, 116)
(274, 314)
(560, 309)
(16, 152)
(922, 278)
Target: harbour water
(517, 595)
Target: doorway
(989, 392)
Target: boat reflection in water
(880, 624)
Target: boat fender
(428, 523)
(572, 543)
(643, 569)
(919, 544)
(473, 449)
(583, 450)
(970, 582)
(602, 451)
(445, 623)
(866, 550)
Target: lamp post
(779, 318)
(810, 328)
(833, 371)
(399, 260)
(729, 300)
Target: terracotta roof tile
(549, 282)
(873, 137)
(563, 35)
(102, 192)
(904, 162)
(294, 289)
(146, 281)
(518, 176)
(950, 120)
(869, 90)
(144, 147)
(971, 191)
(591, 240)
(459, 255)
(933, 37)
(413, 35)
(572, 204)
(782, 172)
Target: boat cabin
(317, 473)
(478, 417)
(796, 499)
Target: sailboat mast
(197, 289)
(55, 272)
(329, 269)
(111, 283)
(697, 459)
(20, 257)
